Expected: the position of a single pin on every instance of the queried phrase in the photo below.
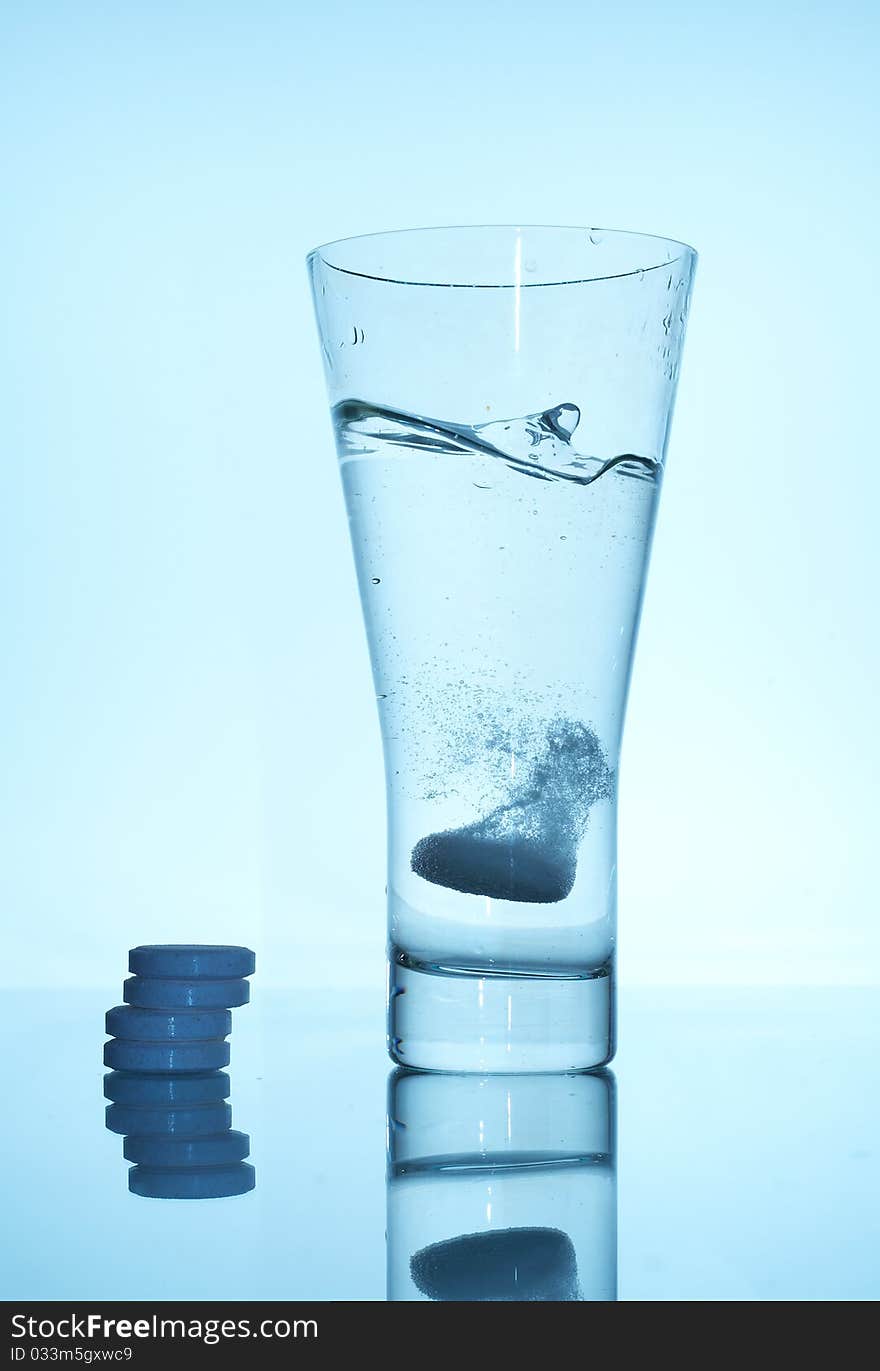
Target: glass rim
(682, 251)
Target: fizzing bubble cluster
(526, 849)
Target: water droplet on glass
(595, 237)
(376, 581)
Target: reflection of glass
(501, 1187)
(501, 399)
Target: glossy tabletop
(747, 1159)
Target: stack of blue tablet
(168, 1095)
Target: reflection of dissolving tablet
(504, 1264)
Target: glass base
(443, 1020)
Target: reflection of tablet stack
(169, 1097)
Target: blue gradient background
(189, 743)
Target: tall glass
(501, 400)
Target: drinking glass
(501, 400)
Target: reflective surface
(748, 1163)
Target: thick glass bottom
(448, 1020)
